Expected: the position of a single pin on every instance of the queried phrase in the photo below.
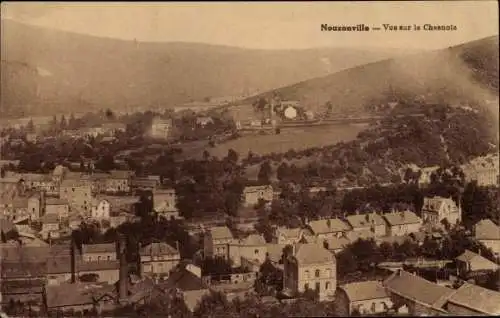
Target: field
(293, 138)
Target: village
(42, 259)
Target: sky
(271, 25)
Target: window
(306, 286)
(98, 258)
(306, 274)
(318, 286)
(316, 273)
(256, 251)
(109, 258)
(327, 285)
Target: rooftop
(403, 217)
(158, 249)
(418, 289)
(365, 220)
(469, 256)
(55, 201)
(221, 232)
(98, 248)
(71, 294)
(365, 290)
(477, 298)
(253, 239)
(487, 230)
(313, 254)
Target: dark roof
(99, 248)
(183, 280)
(477, 298)
(158, 249)
(99, 265)
(66, 294)
(365, 290)
(13, 269)
(59, 265)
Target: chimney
(123, 281)
(73, 249)
(42, 203)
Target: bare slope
(75, 71)
(465, 72)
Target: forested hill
(463, 73)
(443, 135)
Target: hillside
(444, 135)
(463, 73)
(75, 71)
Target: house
(283, 235)
(72, 299)
(436, 209)
(419, 295)
(185, 282)
(473, 300)
(118, 181)
(144, 184)
(254, 194)
(251, 248)
(310, 266)
(369, 222)
(328, 228)
(106, 271)
(469, 262)
(425, 175)
(100, 209)
(98, 252)
(204, 121)
(78, 193)
(21, 282)
(59, 207)
(165, 203)
(159, 258)
(402, 223)
(216, 242)
(336, 244)
(160, 128)
(488, 233)
(50, 226)
(367, 297)
(74, 221)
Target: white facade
(101, 210)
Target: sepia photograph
(249, 159)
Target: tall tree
(265, 172)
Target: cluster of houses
(483, 170)
(60, 201)
(88, 277)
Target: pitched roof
(253, 239)
(6, 226)
(71, 294)
(50, 219)
(403, 217)
(14, 269)
(313, 254)
(158, 249)
(99, 265)
(59, 265)
(328, 226)
(365, 290)
(220, 232)
(418, 289)
(365, 220)
(487, 230)
(99, 248)
(290, 233)
(183, 280)
(436, 203)
(477, 298)
(121, 174)
(337, 243)
(469, 256)
(55, 201)
(274, 252)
